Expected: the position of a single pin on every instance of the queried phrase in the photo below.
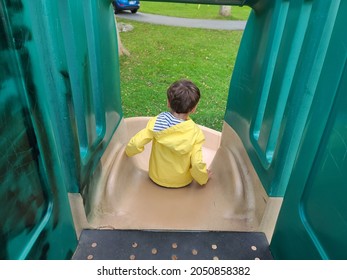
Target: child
(176, 156)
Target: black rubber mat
(166, 245)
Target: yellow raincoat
(176, 156)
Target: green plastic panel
(313, 220)
(60, 105)
(288, 103)
(35, 218)
(275, 79)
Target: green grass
(159, 55)
(192, 10)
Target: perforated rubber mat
(182, 245)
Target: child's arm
(137, 143)
(198, 169)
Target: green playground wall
(288, 103)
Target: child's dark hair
(183, 96)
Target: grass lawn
(160, 54)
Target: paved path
(185, 22)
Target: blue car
(121, 5)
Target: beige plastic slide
(122, 196)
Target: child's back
(176, 156)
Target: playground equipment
(280, 161)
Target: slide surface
(125, 197)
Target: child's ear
(168, 103)
(194, 109)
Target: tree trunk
(121, 49)
(225, 11)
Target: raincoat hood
(179, 138)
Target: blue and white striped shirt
(165, 120)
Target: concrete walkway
(184, 22)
